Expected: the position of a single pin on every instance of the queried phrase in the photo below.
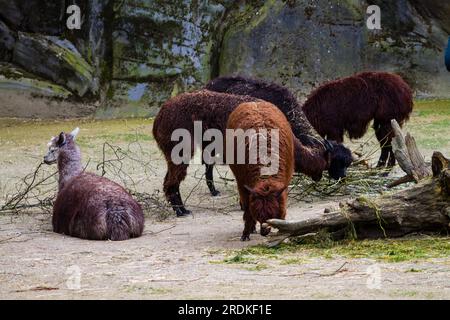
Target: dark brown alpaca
(213, 110)
(180, 112)
(320, 154)
(89, 206)
(262, 197)
(348, 105)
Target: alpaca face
(55, 145)
(267, 202)
(340, 159)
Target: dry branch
(408, 157)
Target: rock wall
(131, 55)
(308, 42)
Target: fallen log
(423, 207)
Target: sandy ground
(176, 259)
(179, 258)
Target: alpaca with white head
(89, 206)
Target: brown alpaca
(349, 104)
(262, 197)
(89, 206)
(213, 109)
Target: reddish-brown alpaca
(349, 104)
(262, 197)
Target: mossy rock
(16, 79)
(154, 41)
(300, 44)
(54, 59)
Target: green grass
(430, 125)
(15, 132)
(426, 108)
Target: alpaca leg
(391, 161)
(175, 174)
(249, 222)
(249, 226)
(244, 208)
(383, 156)
(210, 180)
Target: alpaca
(321, 154)
(349, 104)
(89, 206)
(262, 197)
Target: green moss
(256, 17)
(34, 86)
(76, 61)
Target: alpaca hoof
(215, 193)
(181, 212)
(187, 212)
(245, 237)
(384, 174)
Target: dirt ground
(196, 257)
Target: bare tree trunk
(408, 157)
(424, 207)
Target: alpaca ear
(61, 139)
(75, 132)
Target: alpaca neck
(69, 166)
(309, 160)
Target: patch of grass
(386, 250)
(147, 290)
(257, 267)
(425, 108)
(38, 132)
(414, 270)
(430, 123)
(293, 260)
(407, 293)
(240, 257)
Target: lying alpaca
(349, 104)
(89, 206)
(319, 154)
(262, 197)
